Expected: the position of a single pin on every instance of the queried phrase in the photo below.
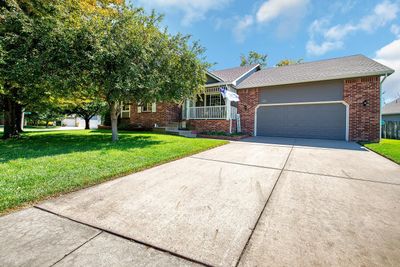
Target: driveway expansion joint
(237, 163)
(265, 206)
(343, 177)
(120, 236)
(78, 247)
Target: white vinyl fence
(391, 130)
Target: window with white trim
(147, 107)
(126, 111)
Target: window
(149, 107)
(215, 100)
(126, 111)
(211, 100)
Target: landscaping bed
(43, 164)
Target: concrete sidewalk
(261, 201)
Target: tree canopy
(254, 58)
(92, 49)
(287, 62)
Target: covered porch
(210, 105)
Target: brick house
(330, 99)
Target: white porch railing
(211, 112)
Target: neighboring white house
(74, 121)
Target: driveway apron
(203, 207)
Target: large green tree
(39, 48)
(130, 59)
(98, 49)
(25, 28)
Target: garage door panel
(326, 121)
(307, 92)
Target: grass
(43, 164)
(388, 148)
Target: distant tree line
(254, 57)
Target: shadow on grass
(51, 143)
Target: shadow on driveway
(305, 143)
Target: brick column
(249, 99)
(363, 97)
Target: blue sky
(293, 29)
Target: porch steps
(184, 133)
(173, 128)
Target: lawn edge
(31, 204)
(376, 152)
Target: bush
(128, 126)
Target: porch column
(228, 109)
(187, 102)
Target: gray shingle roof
(231, 75)
(392, 107)
(337, 68)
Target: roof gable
(234, 74)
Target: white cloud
(273, 9)
(395, 29)
(289, 12)
(322, 48)
(389, 55)
(317, 28)
(193, 10)
(383, 13)
(241, 27)
(344, 6)
(333, 36)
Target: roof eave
(215, 76)
(380, 73)
(218, 84)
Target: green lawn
(387, 147)
(42, 164)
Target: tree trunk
(19, 113)
(114, 120)
(10, 119)
(87, 124)
(47, 124)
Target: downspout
(380, 108)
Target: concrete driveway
(259, 202)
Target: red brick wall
(211, 125)
(166, 113)
(364, 121)
(249, 99)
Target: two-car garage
(309, 110)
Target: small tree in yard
(86, 109)
(131, 59)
